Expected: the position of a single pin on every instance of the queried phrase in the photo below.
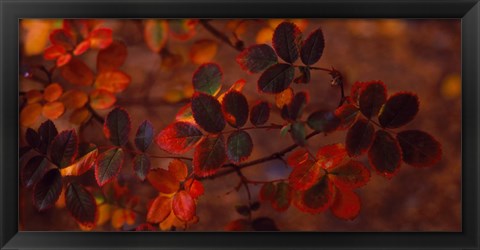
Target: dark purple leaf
(33, 139)
(399, 110)
(264, 224)
(34, 170)
(208, 79)
(295, 109)
(239, 146)
(372, 96)
(47, 132)
(304, 76)
(235, 108)
(297, 131)
(276, 79)
(286, 41)
(324, 121)
(207, 113)
(47, 190)
(117, 126)
(209, 156)
(419, 149)
(312, 48)
(81, 204)
(144, 136)
(64, 148)
(385, 154)
(257, 58)
(141, 165)
(359, 137)
(260, 113)
(108, 165)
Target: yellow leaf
(104, 213)
(203, 51)
(36, 35)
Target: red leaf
(88, 153)
(178, 169)
(260, 113)
(286, 41)
(77, 72)
(372, 96)
(194, 188)
(62, 38)
(283, 197)
(183, 206)
(33, 171)
(144, 136)
(306, 175)
(209, 156)
(239, 146)
(179, 137)
(267, 192)
(164, 181)
(100, 38)
(359, 137)
(160, 209)
(112, 57)
(81, 47)
(399, 110)
(276, 78)
(352, 174)
(63, 149)
(257, 58)
(330, 156)
(141, 166)
(385, 154)
(53, 52)
(419, 149)
(208, 79)
(207, 113)
(347, 113)
(108, 165)
(346, 205)
(235, 108)
(298, 158)
(324, 121)
(316, 199)
(81, 205)
(312, 48)
(146, 227)
(48, 189)
(117, 126)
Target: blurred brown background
(417, 55)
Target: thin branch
(218, 34)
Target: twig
(218, 34)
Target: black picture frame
(12, 10)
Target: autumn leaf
(385, 154)
(74, 99)
(323, 121)
(282, 198)
(208, 79)
(372, 96)
(52, 92)
(53, 110)
(305, 175)
(100, 38)
(346, 204)
(276, 78)
(88, 153)
(178, 169)
(155, 34)
(235, 109)
(111, 57)
(179, 137)
(102, 99)
(144, 136)
(298, 158)
(312, 48)
(160, 209)
(114, 81)
(47, 190)
(117, 126)
(286, 41)
(77, 72)
(163, 180)
(194, 188)
(352, 174)
(63, 149)
(209, 156)
(182, 29)
(260, 113)
(330, 156)
(257, 58)
(267, 191)
(316, 199)
(347, 114)
(30, 114)
(203, 51)
(108, 165)
(141, 166)
(294, 110)
(419, 149)
(81, 204)
(359, 137)
(399, 110)
(207, 112)
(183, 206)
(34, 170)
(239, 146)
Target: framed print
(228, 124)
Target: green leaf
(239, 146)
(276, 78)
(298, 133)
(257, 58)
(323, 121)
(108, 165)
(208, 79)
(117, 126)
(47, 191)
(207, 113)
(64, 148)
(312, 48)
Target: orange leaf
(52, 92)
(114, 81)
(102, 99)
(34, 96)
(74, 99)
(183, 206)
(81, 47)
(53, 110)
(80, 116)
(194, 188)
(331, 155)
(160, 209)
(77, 72)
(104, 213)
(83, 163)
(30, 114)
(284, 98)
(36, 34)
(306, 175)
(203, 51)
(298, 158)
(178, 169)
(164, 181)
(264, 35)
(63, 59)
(346, 204)
(121, 217)
(100, 38)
